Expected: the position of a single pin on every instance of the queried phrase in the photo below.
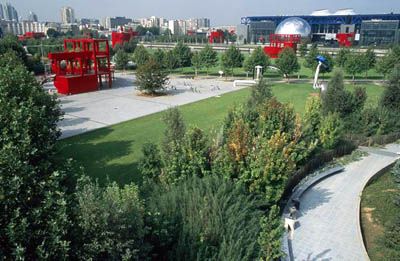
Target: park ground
(377, 212)
(113, 152)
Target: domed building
(294, 25)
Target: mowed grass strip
(112, 153)
(378, 210)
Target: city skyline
(49, 10)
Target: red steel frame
(122, 37)
(345, 39)
(85, 62)
(216, 37)
(280, 41)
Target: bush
(150, 165)
(330, 131)
(151, 77)
(204, 219)
(183, 55)
(121, 59)
(391, 95)
(34, 220)
(257, 58)
(287, 62)
(110, 222)
(141, 56)
(231, 58)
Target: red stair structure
(345, 39)
(277, 42)
(81, 66)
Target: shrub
(330, 131)
(151, 77)
(257, 58)
(141, 56)
(287, 62)
(391, 96)
(204, 219)
(121, 59)
(231, 58)
(183, 54)
(110, 222)
(150, 165)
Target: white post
(258, 72)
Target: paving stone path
(328, 224)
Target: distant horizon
(219, 12)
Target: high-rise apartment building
(8, 12)
(67, 15)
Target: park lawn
(113, 152)
(378, 211)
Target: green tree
(312, 118)
(257, 57)
(330, 131)
(354, 64)
(172, 146)
(342, 56)
(270, 238)
(150, 165)
(34, 220)
(159, 57)
(311, 58)
(151, 77)
(260, 93)
(10, 43)
(197, 62)
(391, 96)
(386, 64)
(141, 56)
(287, 62)
(231, 58)
(170, 60)
(209, 57)
(110, 222)
(183, 54)
(303, 50)
(121, 59)
(369, 60)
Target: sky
(221, 12)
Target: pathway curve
(328, 224)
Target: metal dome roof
(294, 25)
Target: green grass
(113, 152)
(378, 210)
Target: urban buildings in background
(8, 12)
(367, 29)
(67, 15)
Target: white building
(67, 15)
(173, 26)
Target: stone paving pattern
(328, 226)
(89, 111)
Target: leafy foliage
(287, 62)
(210, 218)
(355, 63)
(342, 56)
(34, 221)
(121, 59)
(170, 60)
(257, 57)
(389, 61)
(151, 77)
(159, 57)
(208, 57)
(231, 58)
(110, 222)
(141, 56)
(310, 59)
(391, 95)
(330, 131)
(183, 54)
(197, 62)
(151, 164)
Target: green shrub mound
(204, 219)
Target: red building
(345, 39)
(277, 42)
(82, 66)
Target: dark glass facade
(379, 33)
(261, 30)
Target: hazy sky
(221, 12)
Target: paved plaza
(328, 225)
(89, 111)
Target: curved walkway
(328, 223)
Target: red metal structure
(216, 37)
(345, 39)
(82, 65)
(277, 42)
(31, 35)
(122, 37)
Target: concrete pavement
(328, 224)
(90, 111)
